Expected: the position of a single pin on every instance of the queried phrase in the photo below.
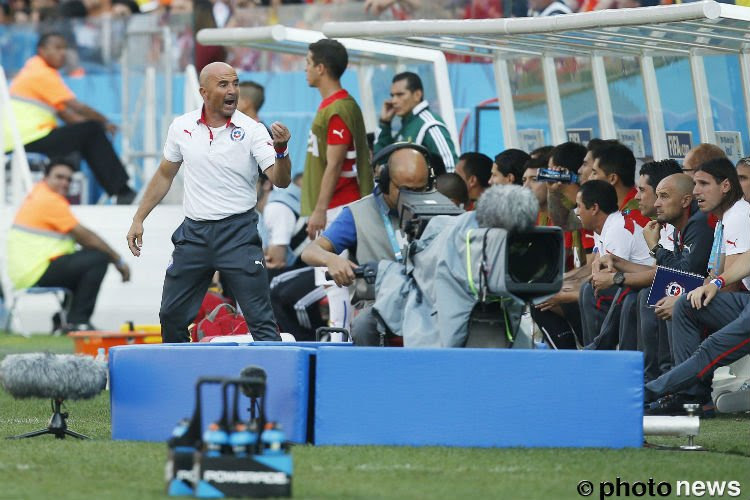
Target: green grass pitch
(45, 468)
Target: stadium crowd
(95, 30)
(34, 11)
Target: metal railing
(146, 99)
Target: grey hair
(508, 207)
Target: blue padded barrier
(153, 386)
(478, 397)
(271, 343)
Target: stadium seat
(37, 161)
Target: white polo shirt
(736, 222)
(220, 165)
(666, 237)
(622, 237)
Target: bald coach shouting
(220, 150)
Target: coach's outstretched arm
(157, 189)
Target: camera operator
(369, 228)
(430, 300)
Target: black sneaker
(79, 327)
(673, 405)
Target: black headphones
(381, 158)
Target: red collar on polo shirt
(202, 120)
(339, 94)
(633, 213)
(631, 194)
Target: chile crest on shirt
(238, 133)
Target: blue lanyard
(388, 226)
(715, 259)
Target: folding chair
(63, 295)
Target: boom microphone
(256, 387)
(55, 376)
(508, 207)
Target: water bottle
(240, 440)
(273, 439)
(181, 428)
(101, 356)
(550, 175)
(214, 439)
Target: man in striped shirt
(418, 123)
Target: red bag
(223, 320)
(211, 300)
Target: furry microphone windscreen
(55, 376)
(508, 207)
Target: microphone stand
(57, 425)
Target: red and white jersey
(736, 222)
(736, 232)
(622, 237)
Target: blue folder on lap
(673, 283)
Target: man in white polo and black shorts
(221, 150)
